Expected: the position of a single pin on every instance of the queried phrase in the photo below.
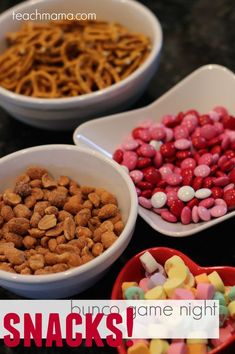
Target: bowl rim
(100, 94)
(192, 263)
(76, 271)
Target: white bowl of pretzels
(54, 75)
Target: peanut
(35, 172)
(108, 211)
(47, 222)
(69, 229)
(18, 225)
(108, 238)
(22, 211)
(48, 181)
(36, 262)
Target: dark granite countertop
(196, 32)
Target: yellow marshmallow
(215, 280)
(174, 260)
(126, 285)
(231, 308)
(158, 346)
(171, 284)
(179, 271)
(138, 348)
(156, 293)
(197, 341)
(227, 291)
(201, 278)
(197, 348)
(190, 281)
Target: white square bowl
(207, 87)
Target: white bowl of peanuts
(56, 82)
(66, 215)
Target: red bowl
(133, 271)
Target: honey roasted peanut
(48, 226)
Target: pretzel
(70, 58)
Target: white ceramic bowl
(87, 167)
(67, 113)
(205, 88)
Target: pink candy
(203, 213)
(202, 171)
(208, 131)
(186, 215)
(168, 216)
(165, 171)
(129, 160)
(218, 211)
(182, 144)
(147, 150)
(144, 202)
(206, 159)
(220, 201)
(136, 176)
(188, 163)
(173, 179)
(207, 203)
(130, 145)
(195, 216)
(158, 133)
(180, 132)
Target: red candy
(152, 175)
(168, 149)
(204, 119)
(143, 162)
(143, 185)
(193, 202)
(176, 207)
(199, 142)
(197, 183)
(232, 176)
(229, 198)
(217, 192)
(147, 193)
(118, 156)
(229, 122)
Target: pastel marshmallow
(156, 279)
(183, 294)
(179, 271)
(158, 346)
(148, 262)
(205, 291)
(171, 285)
(156, 293)
(196, 348)
(216, 280)
(231, 308)
(177, 348)
(201, 278)
(144, 284)
(174, 260)
(138, 348)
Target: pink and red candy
(187, 149)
